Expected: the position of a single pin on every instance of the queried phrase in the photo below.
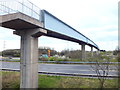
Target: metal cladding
(55, 25)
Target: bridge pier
(97, 52)
(83, 53)
(29, 29)
(91, 51)
(29, 59)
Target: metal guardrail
(65, 62)
(71, 62)
(24, 6)
(66, 74)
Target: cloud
(97, 33)
(107, 45)
(11, 41)
(105, 37)
(9, 44)
(81, 12)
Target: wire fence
(23, 6)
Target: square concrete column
(29, 60)
(97, 52)
(92, 51)
(83, 56)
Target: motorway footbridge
(30, 22)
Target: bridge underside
(19, 21)
(64, 37)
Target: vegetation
(116, 51)
(65, 55)
(101, 69)
(73, 54)
(11, 80)
(16, 52)
(11, 53)
(44, 50)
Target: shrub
(52, 58)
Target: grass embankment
(11, 80)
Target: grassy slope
(11, 80)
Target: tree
(100, 68)
(11, 52)
(73, 54)
(117, 51)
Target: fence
(24, 6)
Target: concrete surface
(19, 21)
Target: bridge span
(30, 22)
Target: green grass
(46, 81)
(11, 80)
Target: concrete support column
(98, 52)
(83, 56)
(29, 60)
(92, 51)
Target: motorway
(60, 68)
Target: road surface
(60, 68)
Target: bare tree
(101, 68)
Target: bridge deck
(19, 21)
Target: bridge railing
(24, 6)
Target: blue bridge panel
(54, 24)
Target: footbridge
(30, 22)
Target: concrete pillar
(83, 56)
(98, 52)
(92, 51)
(29, 60)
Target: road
(61, 68)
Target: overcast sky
(96, 19)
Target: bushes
(52, 59)
(11, 52)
